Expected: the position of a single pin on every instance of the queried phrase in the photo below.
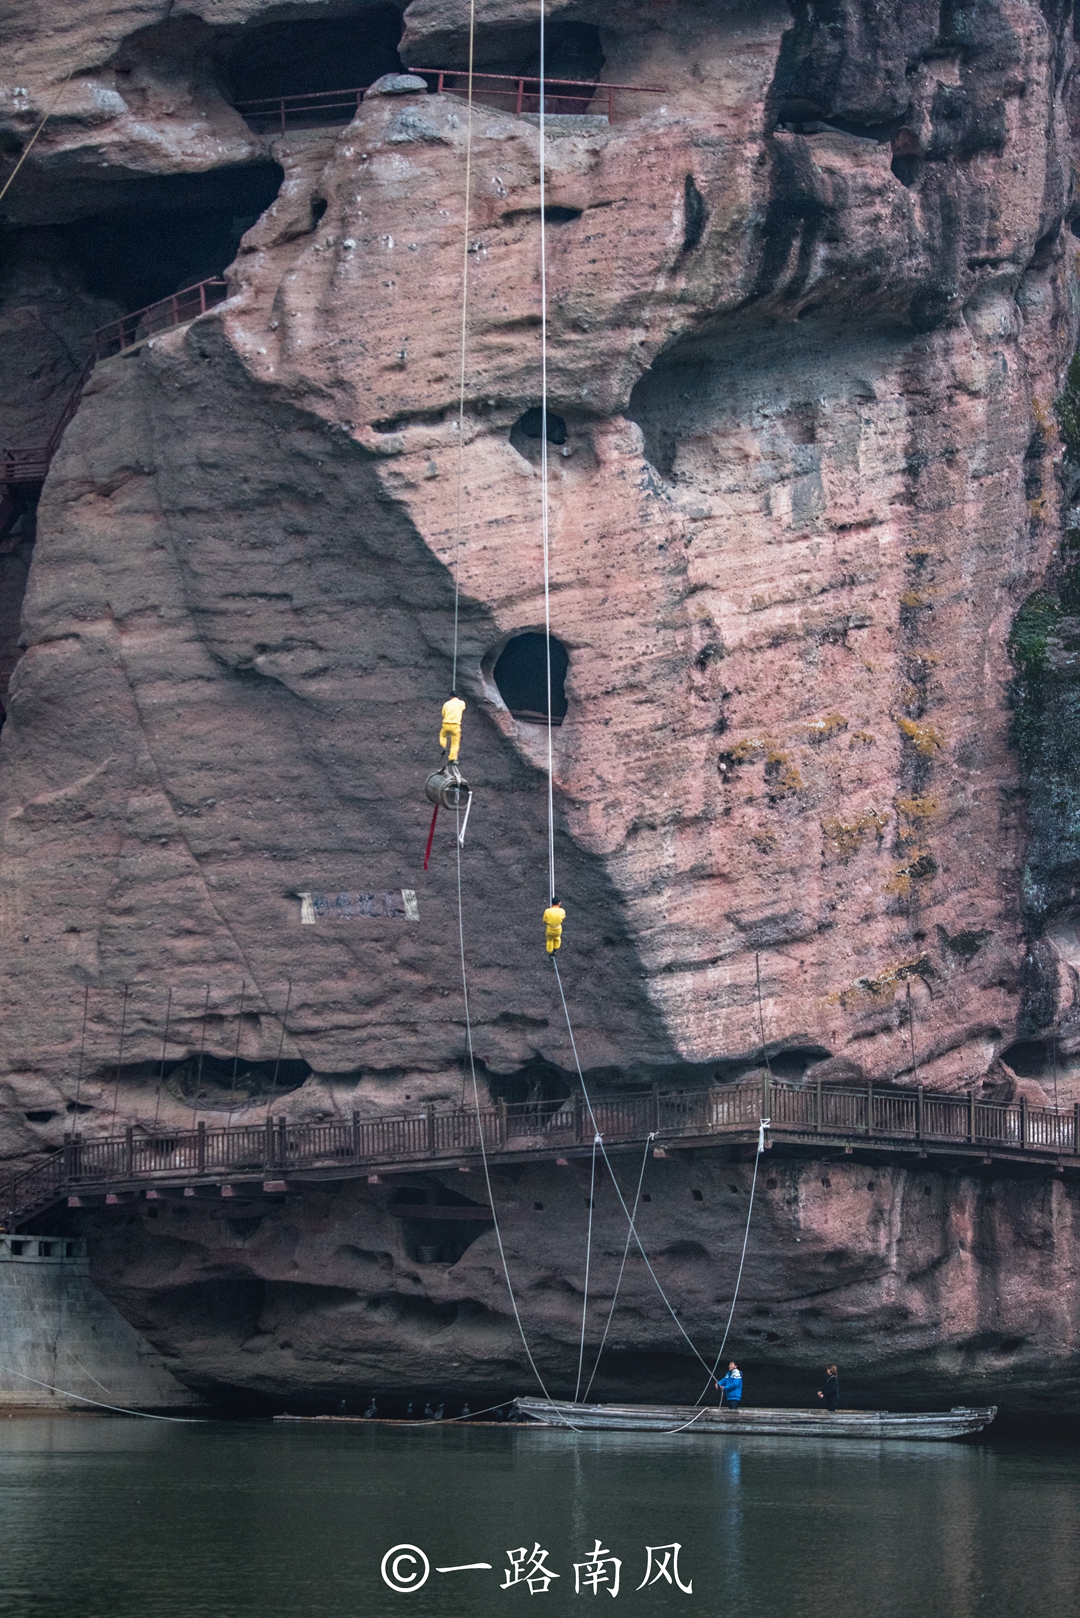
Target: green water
(119, 1518)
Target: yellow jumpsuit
(450, 734)
(554, 916)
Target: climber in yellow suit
(554, 916)
(450, 734)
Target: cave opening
(520, 673)
(310, 56)
(573, 50)
(176, 231)
(528, 431)
(1029, 1058)
(436, 1223)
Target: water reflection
(105, 1518)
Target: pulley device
(446, 787)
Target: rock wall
(810, 308)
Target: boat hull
(876, 1424)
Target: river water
(121, 1518)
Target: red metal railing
(174, 310)
(868, 1115)
(514, 93)
(31, 465)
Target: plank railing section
(872, 1113)
(505, 91)
(21, 467)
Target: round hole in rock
(528, 431)
(520, 673)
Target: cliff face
(810, 308)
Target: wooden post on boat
(1023, 1121)
(356, 1137)
(817, 1105)
(129, 1151)
(919, 1112)
(268, 1148)
(579, 1120)
(869, 1109)
(200, 1146)
(1076, 1126)
(282, 1143)
(971, 1115)
(503, 1130)
(430, 1110)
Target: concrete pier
(57, 1328)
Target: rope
(461, 383)
(611, 1171)
(588, 1263)
(161, 1073)
(120, 1053)
(762, 1124)
(121, 1410)
(27, 148)
(545, 524)
(622, 1266)
(82, 1052)
(480, 1133)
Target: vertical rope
(161, 1072)
(588, 1265)
(236, 1053)
(761, 1015)
(544, 500)
(120, 1053)
(202, 1050)
(742, 1262)
(82, 1052)
(281, 1047)
(911, 1033)
(622, 1266)
(464, 337)
(480, 1132)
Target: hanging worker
(731, 1385)
(554, 916)
(450, 734)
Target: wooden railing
(505, 91)
(873, 1114)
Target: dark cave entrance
(520, 673)
(171, 232)
(313, 55)
(437, 1225)
(176, 231)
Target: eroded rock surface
(810, 305)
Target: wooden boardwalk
(812, 1119)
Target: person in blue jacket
(731, 1385)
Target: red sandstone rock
(808, 316)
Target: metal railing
(31, 465)
(175, 310)
(510, 92)
(851, 1116)
(21, 466)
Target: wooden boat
(923, 1425)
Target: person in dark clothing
(831, 1391)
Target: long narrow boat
(926, 1424)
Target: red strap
(431, 837)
